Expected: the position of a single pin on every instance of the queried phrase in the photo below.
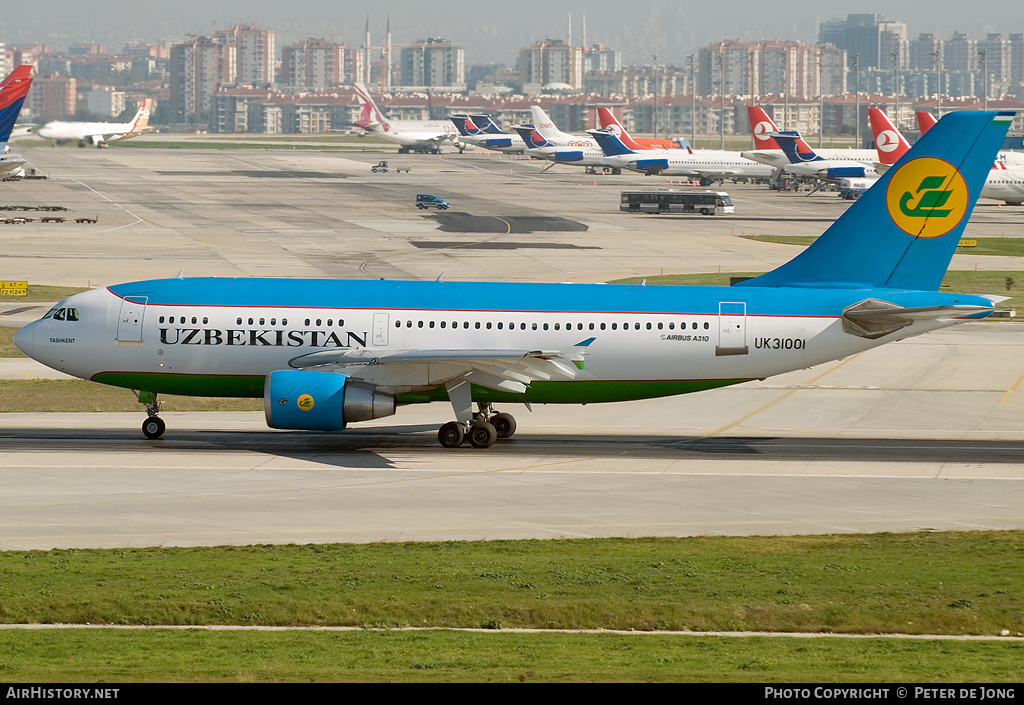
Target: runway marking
(784, 396)
(1010, 391)
(110, 200)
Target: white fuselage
(116, 339)
(415, 133)
(778, 159)
(682, 162)
(95, 131)
(498, 143)
(1005, 185)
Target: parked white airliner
(326, 353)
(409, 135)
(768, 151)
(99, 134)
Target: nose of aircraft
(24, 339)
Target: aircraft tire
(451, 435)
(153, 427)
(504, 424)
(482, 434)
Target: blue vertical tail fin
(466, 125)
(902, 232)
(487, 125)
(609, 143)
(794, 147)
(531, 137)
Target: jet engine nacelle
(846, 172)
(574, 156)
(307, 400)
(652, 167)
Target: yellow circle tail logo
(305, 402)
(927, 197)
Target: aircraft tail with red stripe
(371, 119)
(889, 142)
(762, 127)
(609, 122)
(925, 121)
(13, 90)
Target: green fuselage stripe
(576, 392)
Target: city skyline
(490, 34)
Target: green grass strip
(74, 395)
(997, 246)
(42, 292)
(923, 583)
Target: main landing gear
(482, 432)
(153, 427)
(482, 428)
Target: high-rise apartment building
(52, 97)
(872, 38)
(254, 53)
(551, 61)
(790, 68)
(432, 62)
(198, 68)
(960, 53)
(314, 64)
(925, 53)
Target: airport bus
(668, 201)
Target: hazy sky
(491, 31)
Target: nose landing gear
(153, 427)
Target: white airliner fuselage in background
(326, 353)
(767, 151)
(705, 164)
(98, 134)
(409, 135)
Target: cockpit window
(50, 313)
(59, 316)
(72, 314)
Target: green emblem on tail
(929, 199)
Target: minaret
(385, 76)
(364, 71)
(585, 45)
(569, 42)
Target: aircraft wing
(438, 140)
(718, 173)
(11, 162)
(406, 370)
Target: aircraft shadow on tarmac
(362, 448)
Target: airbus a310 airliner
(327, 353)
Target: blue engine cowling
(320, 401)
(574, 156)
(651, 167)
(846, 172)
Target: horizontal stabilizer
(873, 318)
